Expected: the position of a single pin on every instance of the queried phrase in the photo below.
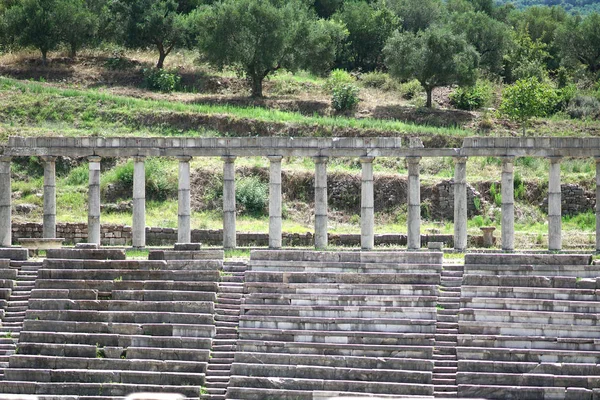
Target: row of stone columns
(275, 203)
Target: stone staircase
(12, 321)
(444, 353)
(227, 316)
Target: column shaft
(5, 203)
(321, 239)
(94, 201)
(460, 204)
(508, 204)
(49, 225)
(414, 204)
(554, 207)
(229, 233)
(275, 202)
(184, 209)
(139, 204)
(367, 205)
(597, 204)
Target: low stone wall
(574, 200)
(119, 235)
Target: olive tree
(435, 57)
(259, 37)
(579, 42)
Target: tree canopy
(435, 57)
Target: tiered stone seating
(529, 327)
(110, 327)
(350, 323)
(8, 277)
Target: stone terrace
(100, 327)
(529, 327)
(350, 323)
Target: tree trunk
(161, 58)
(428, 103)
(257, 89)
(524, 126)
(73, 50)
(44, 56)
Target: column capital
(184, 158)
(5, 158)
(139, 158)
(94, 158)
(275, 158)
(460, 159)
(413, 159)
(555, 159)
(366, 159)
(228, 159)
(321, 159)
(507, 159)
(48, 159)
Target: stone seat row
(528, 327)
(348, 322)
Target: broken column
(5, 203)
(94, 200)
(414, 204)
(139, 203)
(49, 223)
(229, 234)
(367, 205)
(321, 202)
(460, 204)
(508, 204)
(275, 202)
(554, 208)
(184, 211)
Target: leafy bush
(338, 78)
(410, 89)
(472, 97)
(374, 79)
(345, 98)
(564, 96)
(252, 194)
(161, 79)
(582, 106)
(78, 176)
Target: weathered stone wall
(119, 235)
(574, 200)
(439, 201)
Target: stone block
(87, 254)
(187, 246)
(14, 253)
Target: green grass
(35, 103)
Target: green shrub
(472, 97)
(160, 185)
(410, 89)
(582, 106)
(252, 194)
(345, 98)
(496, 195)
(519, 186)
(377, 80)
(78, 176)
(161, 79)
(338, 78)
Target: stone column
(321, 202)
(275, 202)
(49, 229)
(5, 203)
(460, 204)
(138, 229)
(367, 205)
(508, 204)
(184, 209)
(414, 204)
(229, 234)
(554, 208)
(597, 204)
(94, 201)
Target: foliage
(411, 89)
(258, 37)
(161, 79)
(369, 26)
(527, 98)
(337, 78)
(489, 37)
(150, 23)
(78, 176)
(417, 15)
(344, 98)
(571, 6)
(496, 195)
(579, 43)
(582, 106)
(472, 97)
(252, 194)
(435, 57)
(34, 23)
(77, 24)
(526, 58)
